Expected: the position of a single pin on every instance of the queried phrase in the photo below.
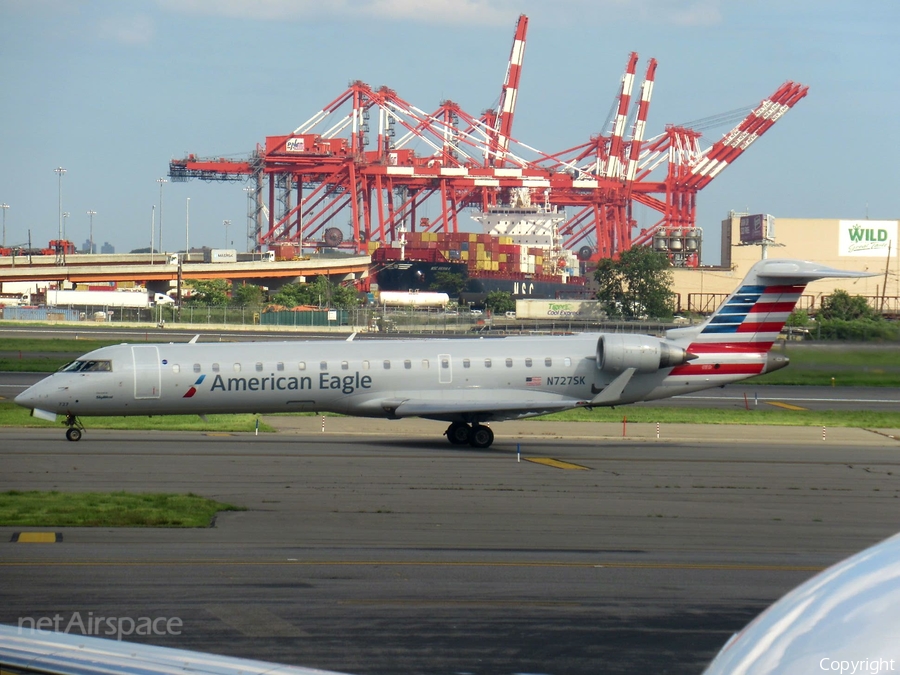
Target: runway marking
(442, 602)
(735, 567)
(36, 537)
(786, 406)
(255, 621)
(726, 397)
(549, 461)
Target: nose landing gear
(75, 428)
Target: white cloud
(701, 13)
(678, 12)
(472, 12)
(422, 11)
(130, 30)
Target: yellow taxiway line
(557, 464)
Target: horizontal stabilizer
(798, 271)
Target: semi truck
(136, 299)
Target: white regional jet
(465, 382)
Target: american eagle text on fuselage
(347, 384)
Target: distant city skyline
(111, 91)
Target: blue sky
(111, 90)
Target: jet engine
(646, 354)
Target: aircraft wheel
(73, 434)
(481, 437)
(458, 433)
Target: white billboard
(867, 238)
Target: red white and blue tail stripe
(735, 341)
(749, 320)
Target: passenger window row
(386, 364)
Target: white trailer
(414, 299)
(136, 299)
(560, 309)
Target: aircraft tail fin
(751, 317)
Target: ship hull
(470, 287)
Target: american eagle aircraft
(465, 382)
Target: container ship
(518, 252)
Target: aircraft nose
(26, 399)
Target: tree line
(636, 286)
(318, 293)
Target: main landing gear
(478, 436)
(73, 433)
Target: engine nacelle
(646, 354)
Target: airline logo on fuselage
(346, 384)
(193, 390)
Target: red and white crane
(331, 170)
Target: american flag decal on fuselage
(741, 332)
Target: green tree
(845, 307)
(500, 302)
(290, 295)
(637, 284)
(450, 283)
(320, 293)
(247, 294)
(210, 292)
(799, 318)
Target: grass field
(849, 365)
(756, 415)
(21, 355)
(114, 509)
(12, 415)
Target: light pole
(161, 181)
(226, 223)
(91, 237)
(60, 255)
(187, 228)
(152, 227)
(251, 203)
(4, 207)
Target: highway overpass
(138, 267)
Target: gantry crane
(335, 168)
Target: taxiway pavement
(383, 549)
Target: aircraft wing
(485, 404)
(26, 650)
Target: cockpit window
(87, 367)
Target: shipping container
(587, 310)
(220, 255)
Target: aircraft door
(146, 371)
(445, 369)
